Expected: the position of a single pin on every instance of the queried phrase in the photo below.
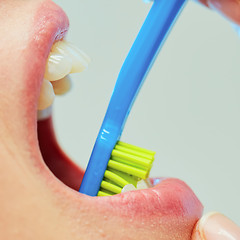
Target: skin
(228, 8)
(34, 203)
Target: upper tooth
(58, 66)
(47, 95)
(63, 59)
(80, 60)
(79, 51)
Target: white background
(188, 109)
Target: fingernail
(216, 226)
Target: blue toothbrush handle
(133, 72)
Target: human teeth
(63, 59)
(47, 95)
(143, 184)
(62, 86)
(79, 59)
(79, 51)
(128, 187)
(58, 66)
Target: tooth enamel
(62, 86)
(47, 95)
(128, 187)
(58, 66)
(79, 51)
(63, 59)
(143, 184)
(80, 60)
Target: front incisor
(58, 66)
(80, 60)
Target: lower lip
(169, 199)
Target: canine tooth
(47, 95)
(80, 60)
(58, 66)
(128, 187)
(62, 86)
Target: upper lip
(170, 199)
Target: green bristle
(115, 178)
(137, 149)
(131, 159)
(128, 164)
(141, 173)
(110, 187)
(104, 193)
(122, 178)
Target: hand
(215, 226)
(228, 8)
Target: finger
(204, 2)
(228, 8)
(215, 226)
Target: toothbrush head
(128, 164)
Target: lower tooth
(62, 86)
(142, 184)
(47, 95)
(128, 187)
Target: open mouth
(169, 208)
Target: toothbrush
(128, 165)
(142, 55)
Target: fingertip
(230, 9)
(214, 226)
(198, 231)
(204, 2)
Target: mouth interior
(63, 59)
(54, 157)
(60, 164)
